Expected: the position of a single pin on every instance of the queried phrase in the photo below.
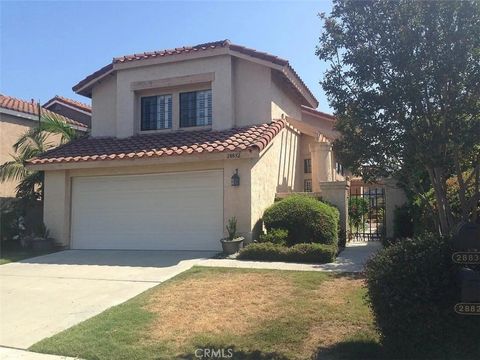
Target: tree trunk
(443, 209)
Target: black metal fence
(366, 214)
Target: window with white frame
(307, 185)
(196, 108)
(156, 112)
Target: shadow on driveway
(135, 258)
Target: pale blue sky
(47, 47)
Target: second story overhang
(281, 68)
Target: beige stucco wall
(11, 128)
(222, 99)
(251, 93)
(243, 93)
(277, 170)
(104, 107)
(394, 197)
(236, 199)
(282, 102)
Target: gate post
(337, 193)
(394, 197)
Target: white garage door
(173, 211)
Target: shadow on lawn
(351, 350)
(230, 352)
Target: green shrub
(412, 289)
(275, 236)
(301, 253)
(306, 219)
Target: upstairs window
(307, 166)
(196, 108)
(156, 112)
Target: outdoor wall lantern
(235, 179)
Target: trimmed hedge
(301, 253)
(412, 290)
(275, 236)
(306, 219)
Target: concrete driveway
(42, 296)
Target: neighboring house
(17, 117)
(181, 141)
(72, 109)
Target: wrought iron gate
(366, 214)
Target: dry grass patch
(229, 302)
(261, 314)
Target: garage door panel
(181, 211)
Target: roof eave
(184, 158)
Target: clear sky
(47, 47)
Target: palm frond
(31, 186)
(33, 142)
(13, 170)
(55, 124)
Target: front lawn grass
(259, 314)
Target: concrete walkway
(17, 354)
(352, 259)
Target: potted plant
(40, 239)
(233, 242)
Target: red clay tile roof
(194, 49)
(31, 108)
(71, 102)
(321, 114)
(163, 144)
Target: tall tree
(32, 143)
(404, 82)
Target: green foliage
(357, 211)
(306, 219)
(301, 253)
(404, 83)
(412, 289)
(232, 228)
(31, 144)
(275, 236)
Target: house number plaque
(233, 155)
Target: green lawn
(258, 314)
(12, 255)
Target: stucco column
(336, 193)
(222, 96)
(56, 205)
(125, 112)
(321, 154)
(394, 197)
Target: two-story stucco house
(181, 141)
